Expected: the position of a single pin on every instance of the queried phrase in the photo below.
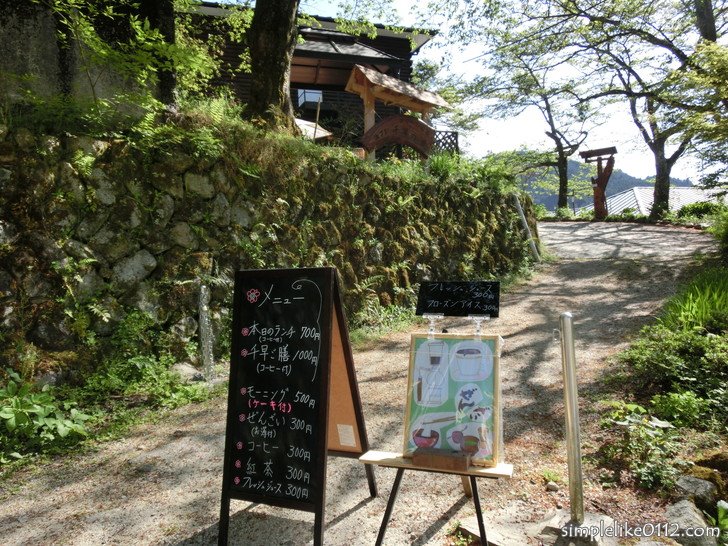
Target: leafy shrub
(444, 165)
(627, 215)
(720, 230)
(700, 210)
(34, 421)
(564, 213)
(674, 360)
(541, 211)
(703, 304)
(684, 409)
(587, 215)
(137, 369)
(645, 445)
(721, 521)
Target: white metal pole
(571, 403)
(527, 229)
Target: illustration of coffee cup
(436, 350)
(469, 361)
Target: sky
(528, 130)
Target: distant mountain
(618, 182)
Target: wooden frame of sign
(292, 396)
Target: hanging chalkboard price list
(459, 298)
(278, 386)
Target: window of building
(309, 96)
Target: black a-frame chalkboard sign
(293, 396)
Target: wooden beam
(369, 116)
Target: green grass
(703, 304)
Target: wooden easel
(435, 300)
(396, 460)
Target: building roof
(391, 90)
(339, 46)
(640, 198)
(418, 37)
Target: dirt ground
(161, 484)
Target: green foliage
(564, 213)
(700, 209)
(683, 409)
(458, 536)
(33, 421)
(135, 369)
(645, 445)
(374, 320)
(671, 360)
(551, 476)
(721, 521)
(627, 215)
(720, 230)
(541, 211)
(702, 305)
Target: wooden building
(322, 64)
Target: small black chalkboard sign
(459, 298)
(284, 325)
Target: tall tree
(271, 40)
(521, 74)
(160, 14)
(639, 45)
(520, 81)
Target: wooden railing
(446, 141)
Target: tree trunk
(705, 20)
(661, 202)
(562, 165)
(160, 14)
(271, 40)
(167, 77)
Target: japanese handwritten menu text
(275, 392)
(459, 298)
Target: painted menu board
(453, 395)
(459, 298)
(276, 429)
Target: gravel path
(161, 485)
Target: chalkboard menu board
(289, 343)
(459, 298)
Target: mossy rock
(717, 460)
(720, 479)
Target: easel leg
(371, 479)
(390, 505)
(224, 523)
(467, 490)
(478, 511)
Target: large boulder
(689, 519)
(199, 185)
(702, 492)
(133, 270)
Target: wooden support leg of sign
(401, 463)
(347, 435)
(472, 486)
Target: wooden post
(599, 184)
(369, 116)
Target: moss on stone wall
(90, 229)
